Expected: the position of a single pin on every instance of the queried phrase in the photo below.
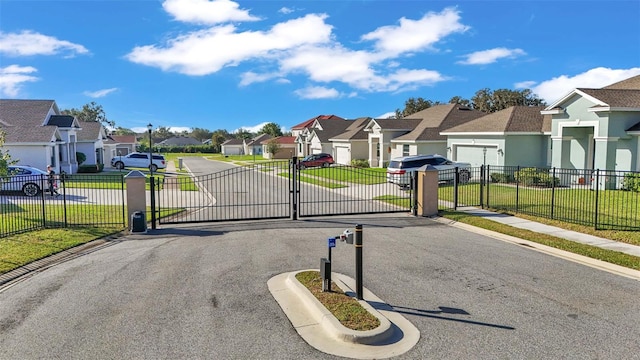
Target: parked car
(139, 160)
(314, 160)
(26, 179)
(400, 169)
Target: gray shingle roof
(434, 120)
(355, 130)
(632, 83)
(24, 120)
(258, 139)
(616, 97)
(233, 142)
(331, 128)
(90, 131)
(510, 120)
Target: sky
(222, 64)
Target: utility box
(180, 163)
(325, 274)
(138, 222)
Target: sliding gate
(276, 190)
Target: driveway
(201, 292)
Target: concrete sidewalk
(553, 231)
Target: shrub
(94, 168)
(631, 182)
(535, 177)
(501, 178)
(81, 157)
(360, 163)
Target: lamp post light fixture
(484, 153)
(150, 127)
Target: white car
(400, 169)
(26, 179)
(139, 160)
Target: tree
(412, 106)
(243, 134)
(460, 101)
(201, 134)
(162, 133)
(122, 131)
(492, 101)
(5, 158)
(273, 146)
(272, 129)
(90, 112)
(218, 137)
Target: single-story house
(37, 135)
(417, 134)
(90, 142)
(352, 144)
(597, 128)
(287, 148)
(254, 146)
(518, 135)
(233, 147)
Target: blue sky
(221, 64)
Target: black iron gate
(278, 189)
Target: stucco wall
(525, 150)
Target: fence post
(293, 165)
(414, 193)
(152, 193)
(517, 187)
(553, 191)
(482, 186)
(488, 182)
(597, 190)
(456, 178)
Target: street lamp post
(150, 127)
(151, 180)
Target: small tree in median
(273, 146)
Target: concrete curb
(331, 324)
(309, 320)
(581, 259)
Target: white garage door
(342, 155)
(475, 154)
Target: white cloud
(416, 35)
(306, 46)
(490, 56)
(552, 90)
(28, 43)
(387, 115)
(524, 84)
(317, 92)
(100, 93)
(207, 11)
(251, 77)
(13, 76)
(251, 129)
(179, 129)
(193, 53)
(285, 10)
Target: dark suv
(313, 160)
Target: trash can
(138, 222)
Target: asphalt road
(201, 293)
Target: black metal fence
(603, 199)
(84, 200)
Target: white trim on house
(568, 96)
(577, 123)
(555, 111)
(609, 108)
(480, 133)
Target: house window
(405, 150)
(378, 149)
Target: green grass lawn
(364, 176)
